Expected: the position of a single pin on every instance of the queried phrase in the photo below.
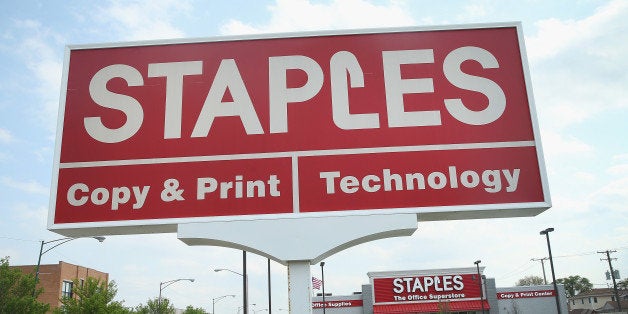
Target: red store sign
(337, 304)
(406, 120)
(432, 288)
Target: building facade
(451, 290)
(600, 300)
(57, 280)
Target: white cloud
(304, 15)
(578, 72)
(557, 145)
(32, 216)
(5, 136)
(473, 12)
(620, 158)
(555, 36)
(618, 169)
(43, 61)
(31, 187)
(143, 20)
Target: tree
(93, 297)
(155, 307)
(575, 285)
(16, 291)
(530, 281)
(623, 284)
(192, 310)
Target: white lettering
(174, 73)
(458, 284)
(227, 77)
(105, 98)
(204, 186)
(396, 87)
(345, 74)
(398, 283)
(512, 179)
(341, 64)
(349, 184)
(494, 93)
(235, 189)
(279, 93)
(491, 181)
(329, 180)
(71, 196)
(100, 196)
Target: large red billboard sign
(425, 121)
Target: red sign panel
(337, 304)
(434, 288)
(406, 120)
(526, 294)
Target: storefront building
(451, 290)
(531, 299)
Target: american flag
(316, 283)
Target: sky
(577, 54)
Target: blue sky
(577, 56)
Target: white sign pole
(299, 287)
(298, 243)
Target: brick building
(57, 279)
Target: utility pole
(610, 265)
(542, 265)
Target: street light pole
(477, 265)
(549, 249)
(214, 300)
(323, 284)
(42, 252)
(270, 307)
(165, 284)
(245, 286)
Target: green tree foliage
(16, 291)
(530, 281)
(623, 284)
(575, 285)
(192, 310)
(94, 297)
(155, 307)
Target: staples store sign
(405, 120)
(426, 288)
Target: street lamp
(214, 300)
(477, 265)
(241, 307)
(165, 284)
(60, 241)
(549, 249)
(245, 287)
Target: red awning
(431, 307)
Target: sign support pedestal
(299, 287)
(298, 243)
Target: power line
(519, 269)
(610, 265)
(18, 239)
(516, 271)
